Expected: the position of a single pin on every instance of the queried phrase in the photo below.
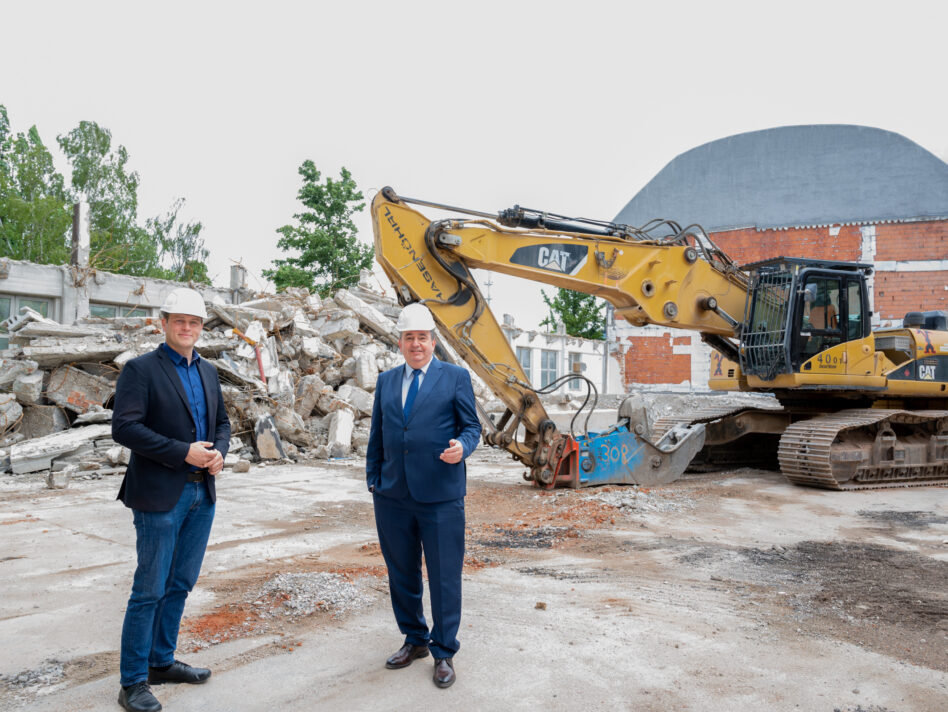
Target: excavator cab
(798, 308)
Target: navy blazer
(152, 418)
(403, 457)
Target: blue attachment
(611, 457)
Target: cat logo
(926, 373)
(565, 259)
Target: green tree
(581, 314)
(34, 211)
(101, 177)
(329, 256)
(181, 247)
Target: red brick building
(848, 193)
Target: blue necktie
(412, 392)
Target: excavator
(855, 408)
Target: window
(525, 357)
(576, 367)
(854, 312)
(10, 306)
(110, 311)
(39, 305)
(6, 303)
(548, 370)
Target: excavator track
(867, 449)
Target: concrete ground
(724, 591)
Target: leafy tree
(34, 214)
(578, 312)
(329, 255)
(100, 176)
(181, 246)
(36, 207)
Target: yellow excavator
(857, 408)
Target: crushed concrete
(302, 594)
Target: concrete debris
(298, 374)
(11, 369)
(269, 445)
(40, 420)
(38, 454)
(28, 387)
(77, 390)
(11, 413)
(59, 479)
(340, 433)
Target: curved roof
(794, 176)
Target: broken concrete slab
(28, 387)
(49, 353)
(368, 315)
(40, 420)
(361, 400)
(10, 412)
(343, 327)
(118, 455)
(60, 479)
(366, 370)
(341, 424)
(38, 453)
(231, 375)
(314, 347)
(291, 427)
(11, 368)
(242, 465)
(269, 444)
(96, 415)
(308, 390)
(77, 390)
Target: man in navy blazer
(169, 411)
(424, 423)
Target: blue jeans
(170, 547)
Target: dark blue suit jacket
(152, 418)
(403, 457)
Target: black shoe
(178, 672)
(405, 655)
(444, 672)
(138, 698)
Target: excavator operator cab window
(820, 320)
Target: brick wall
(900, 292)
(652, 359)
(753, 245)
(912, 241)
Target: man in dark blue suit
(424, 423)
(169, 411)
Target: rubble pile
(298, 375)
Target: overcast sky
(569, 107)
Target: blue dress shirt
(193, 388)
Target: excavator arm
(658, 274)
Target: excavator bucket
(618, 456)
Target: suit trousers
(407, 528)
(170, 547)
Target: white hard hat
(184, 301)
(415, 317)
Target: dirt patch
(885, 599)
(910, 520)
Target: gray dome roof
(794, 176)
